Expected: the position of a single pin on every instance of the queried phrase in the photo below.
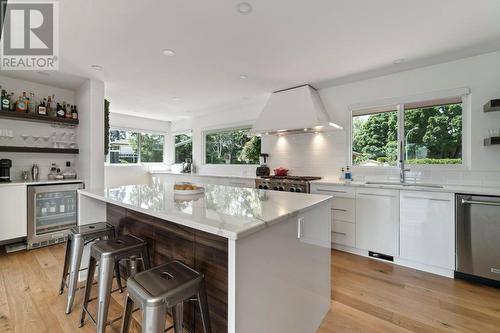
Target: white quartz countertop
(230, 212)
(168, 172)
(452, 188)
(40, 182)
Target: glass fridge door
(55, 211)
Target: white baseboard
(398, 261)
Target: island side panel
(167, 241)
(280, 282)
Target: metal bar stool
(161, 288)
(108, 253)
(78, 237)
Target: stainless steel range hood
(294, 110)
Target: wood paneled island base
(202, 251)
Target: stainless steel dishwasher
(478, 238)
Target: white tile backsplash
(324, 154)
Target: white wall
(90, 100)
(325, 154)
(24, 161)
(118, 175)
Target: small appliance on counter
(281, 172)
(186, 166)
(5, 165)
(263, 169)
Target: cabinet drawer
(344, 209)
(335, 191)
(343, 233)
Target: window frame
(172, 150)
(463, 93)
(211, 130)
(140, 132)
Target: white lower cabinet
(377, 220)
(13, 211)
(427, 228)
(344, 233)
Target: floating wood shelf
(492, 141)
(15, 149)
(37, 118)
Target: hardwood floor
(368, 296)
(372, 296)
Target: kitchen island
(265, 254)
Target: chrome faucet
(402, 172)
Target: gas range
(285, 183)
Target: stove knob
(281, 188)
(275, 188)
(266, 187)
(292, 189)
(298, 190)
(261, 187)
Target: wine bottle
(74, 113)
(42, 109)
(5, 100)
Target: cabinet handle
(333, 191)
(421, 198)
(474, 202)
(340, 209)
(377, 195)
(339, 233)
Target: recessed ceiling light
(168, 52)
(243, 77)
(96, 67)
(176, 99)
(244, 8)
(398, 61)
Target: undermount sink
(405, 184)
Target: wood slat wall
(204, 252)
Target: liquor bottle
(32, 106)
(5, 100)
(42, 109)
(74, 113)
(53, 105)
(69, 112)
(51, 111)
(26, 101)
(21, 105)
(12, 102)
(60, 111)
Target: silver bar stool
(165, 287)
(78, 237)
(108, 253)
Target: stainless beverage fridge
(52, 211)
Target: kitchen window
(232, 146)
(183, 147)
(131, 147)
(422, 133)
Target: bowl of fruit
(188, 189)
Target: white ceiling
(282, 43)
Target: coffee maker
(5, 165)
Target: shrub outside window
(183, 150)
(232, 146)
(430, 133)
(130, 147)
